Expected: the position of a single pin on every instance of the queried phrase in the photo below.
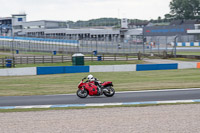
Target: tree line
(179, 10)
(184, 9)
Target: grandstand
(5, 26)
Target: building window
(17, 27)
(20, 19)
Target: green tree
(185, 9)
(169, 16)
(159, 19)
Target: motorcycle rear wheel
(110, 91)
(82, 93)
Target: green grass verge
(188, 53)
(35, 53)
(87, 63)
(123, 81)
(3, 56)
(183, 59)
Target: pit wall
(62, 69)
(112, 68)
(18, 71)
(95, 68)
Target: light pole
(13, 58)
(12, 47)
(144, 39)
(175, 45)
(96, 37)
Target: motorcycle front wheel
(109, 91)
(82, 93)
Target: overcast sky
(85, 9)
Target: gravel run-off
(151, 119)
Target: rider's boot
(99, 90)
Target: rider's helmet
(90, 78)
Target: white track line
(161, 90)
(187, 89)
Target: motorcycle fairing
(107, 83)
(92, 89)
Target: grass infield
(123, 81)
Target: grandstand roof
(5, 18)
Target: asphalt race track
(134, 96)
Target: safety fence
(12, 61)
(43, 46)
(95, 68)
(85, 45)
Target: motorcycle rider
(96, 82)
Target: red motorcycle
(91, 88)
